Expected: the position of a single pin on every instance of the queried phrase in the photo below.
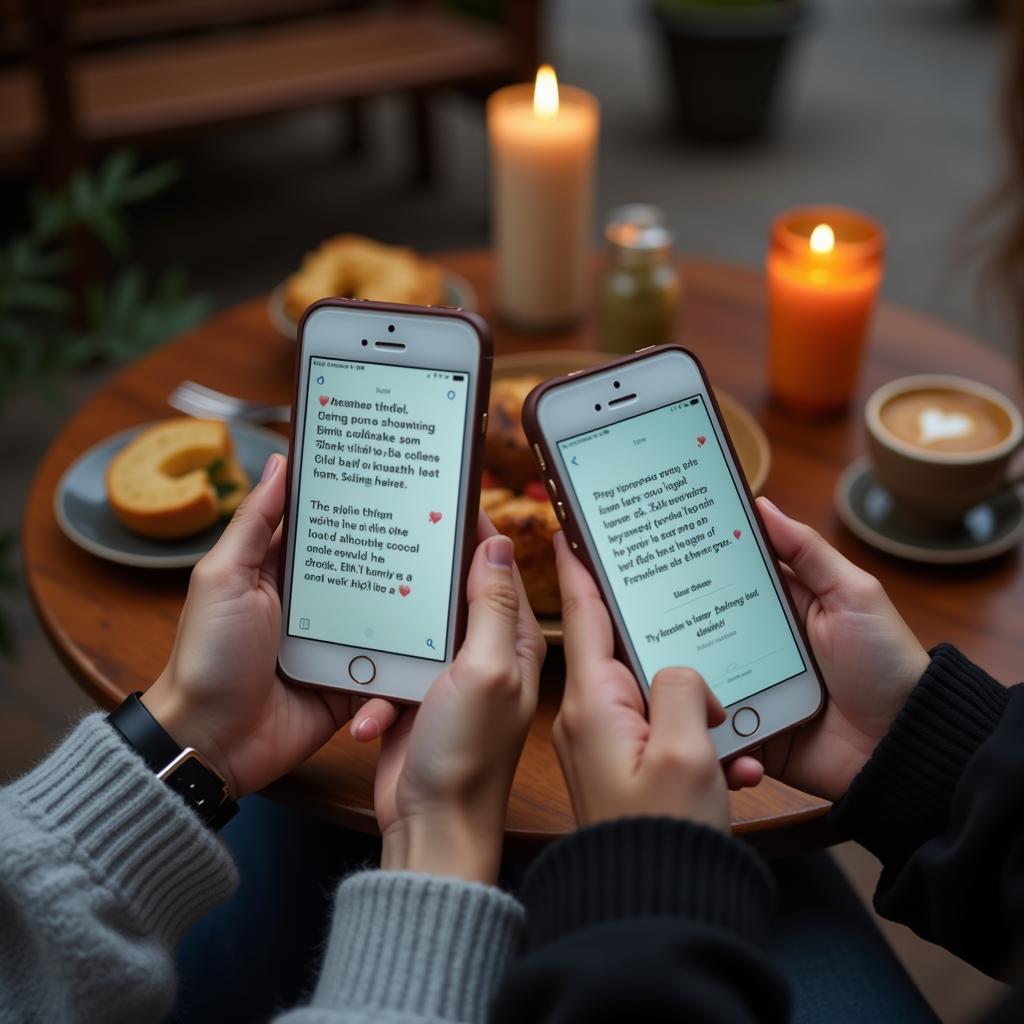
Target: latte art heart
(936, 425)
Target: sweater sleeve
(102, 870)
(941, 804)
(646, 919)
(411, 949)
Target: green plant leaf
(30, 294)
(114, 172)
(50, 213)
(109, 229)
(150, 182)
(82, 193)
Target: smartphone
(644, 477)
(383, 491)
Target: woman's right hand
(617, 761)
(868, 656)
(446, 767)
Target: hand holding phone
(219, 692)
(869, 657)
(384, 485)
(616, 762)
(446, 767)
(642, 472)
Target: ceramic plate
(457, 292)
(749, 439)
(867, 510)
(83, 513)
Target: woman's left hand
(220, 692)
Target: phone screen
(677, 545)
(378, 506)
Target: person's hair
(1007, 259)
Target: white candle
(543, 142)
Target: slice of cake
(176, 478)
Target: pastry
(176, 478)
(507, 453)
(531, 524)
(351, 266)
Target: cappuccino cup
(941, 445)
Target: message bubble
(677, 546)
(378, 506)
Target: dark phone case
(540, 445)
(481, 399)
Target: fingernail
(500, 552)
(559, 540)
(367, 730)
(771, 504)
(270, 468)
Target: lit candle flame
(545, 93)
(823, 239)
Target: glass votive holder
(824, 269)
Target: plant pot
(725, 64)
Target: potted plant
(724, 59)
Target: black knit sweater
(661, 920)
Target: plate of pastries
(513, 492)
(354, 267)
(158, 496)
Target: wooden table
(113, 626)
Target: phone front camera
(391, 328)
(597, 408)
(364, 342)
(617, 384)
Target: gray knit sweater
(103, 869)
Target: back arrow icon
(574, 462)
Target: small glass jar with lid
(641, 288)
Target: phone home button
(746, 722)
(362, 670)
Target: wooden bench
(101, 73)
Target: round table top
(113, 625)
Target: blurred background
(888, 106)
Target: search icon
(430, 644)
(451, 395)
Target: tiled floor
(890, 107)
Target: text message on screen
(378, 506)
(676, 544)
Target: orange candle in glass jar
(824, 268)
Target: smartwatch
(184, 769)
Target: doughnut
(506, 451)
(354, 267)
(531, 524)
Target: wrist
(182, 723)
(441, 845)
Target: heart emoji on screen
(405, 590)
(434, 517)
(700, 441)
(737, 534)
(324, 399)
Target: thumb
(815, 563)
(681, 710)
(493, 608)
(247, 538)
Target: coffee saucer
(867, 510)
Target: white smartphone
(383, 492)
(644, 476)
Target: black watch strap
(184, 770)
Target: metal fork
(206, 403)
